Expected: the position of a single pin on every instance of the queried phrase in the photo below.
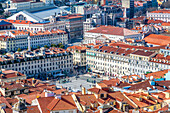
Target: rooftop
(10, 74)
(161, 11)
(111, 30)
(157, 39)
(143, 53)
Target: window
(102, 95)
(154, 107)
(70, 111)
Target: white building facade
(116, 61)
(13, 40)
(163, 15)
(41, 61)
(112, 33)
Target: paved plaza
(75, 85)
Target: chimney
(83, 90)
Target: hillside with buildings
(84, 56)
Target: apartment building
(118, 61)
(112, 33)
(87, 10)
(40, 61)
(36, 26)
(79, 55)
(110, 13)
(12, 40)
(93, 22)
(74, 25)
(163, 15)
(18, 5)
(129, 4)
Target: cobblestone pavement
(74, 84)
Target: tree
(46, 46)
(38, 47)
(53, 45)
(60, 45)
(19, 49)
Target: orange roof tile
(111, 30)
(33, 109)
(58, 104)
(157, 39)
(43, 102)
(97, 90)
(158, 74)
(165, 24)
(161, 11)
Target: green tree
(19, 49)
(46, 46)
(53, 45)
(38, 47)
(60, 45)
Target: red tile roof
(71, 16)
(154, 21)
(10, 74)
(86, 99)
(33, 109)
(43, 102)
(97, 90)
(111, 30)
(157, 39)
(125, 46)
(139, 18)
(161, 11)
(158, 74)
(143, 53)
(119, 95)
(58, 104)
(114, 50)
(165, 24)
(18, 1)
(77, 48)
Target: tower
(124, 13)
(129, 4)
(29, 42)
